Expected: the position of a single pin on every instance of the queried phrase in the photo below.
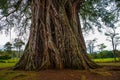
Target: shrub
(1, 61)
(5, 57)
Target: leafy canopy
(17, 13)
(99, 12)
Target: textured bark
(56, 39)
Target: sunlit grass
(105, 60)
(13, 61)
(8, 63)
(4, 65)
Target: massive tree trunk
(56, 39)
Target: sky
(4, 38)
(101, 38)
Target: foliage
(90, 45)
(113, 37)
(1, 52)
(2, 61)
(117, 53)
(105, 54)
(13, 53)
(8, 47)
(5, 57)
(18, 43)
(17, 13)
(99, 12)
(102, 46)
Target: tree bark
(56, 39)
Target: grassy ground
(9, 74)
(8, 63)
(105, 60)
(4, 65)
(98, 74)
(109, 64)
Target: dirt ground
(105, 73)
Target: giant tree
(56, 39)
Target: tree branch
(8, 14)
(17, 5)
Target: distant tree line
(104, 54)
(12, 50)
(4, 55)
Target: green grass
(8, 63)
(5, 65)
(105, 60)
(12, 62)
(7, 74)
(109, 64)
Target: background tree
(117, 52)
(8, 47)
(101, 48)
(117, 42)
(104, 53)
(1, 52)
(113, 37)
(18, 43)
(56, 39)
(90, 45)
